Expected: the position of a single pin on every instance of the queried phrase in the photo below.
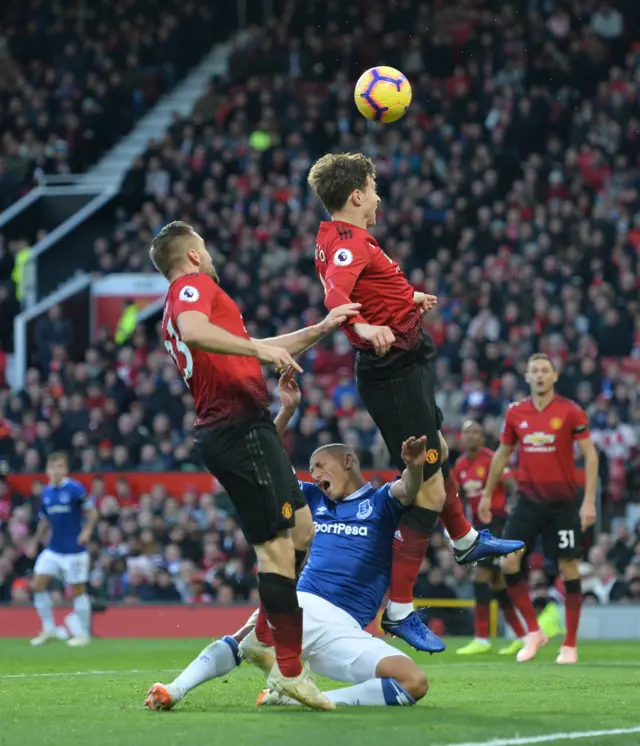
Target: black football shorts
(249, 462)
(400, 395)
(557, 523)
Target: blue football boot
(486, 545)
(413, 631)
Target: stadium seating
(510, 190)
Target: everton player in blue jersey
(341, 588)
(68, 515)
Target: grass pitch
(56, 696)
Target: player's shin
(511, 616)
(279, 598)
(519, 595)
(216, 660)
(409, 550)
(374, 692)
(44, 607)
(482, 592)
(573, 607)
(82, 609)
(461, 532)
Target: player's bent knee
(277, 555)
(410, 677)
(41, 583)
(510, 564)
(569, 568)
(77, 589)
(432, 493)
(483, 575)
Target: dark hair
(167, 245)
(541, 356)
(335, 176)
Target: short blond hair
(336, 176)
(541, 356)
(168, 246)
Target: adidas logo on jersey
(341, 528)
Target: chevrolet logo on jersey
(541, 442)
(345, 529)
(473, 487)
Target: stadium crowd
(511, 190)
(74, 77)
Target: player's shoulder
(189, 288)
(461, 461)
(521, 407)
(563, 402)
(487, 452)
(342, 241)
(74, 485)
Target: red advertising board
(177, 483)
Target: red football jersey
(471, 475)
(353, 269)
(546, 470)
(226, 388)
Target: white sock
(214, 661)
(376, 692)
(74, 625)
(482, 640)
(397, 611)
(44, 607)
(466, 541)
(82, 609)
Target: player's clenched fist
(276, 356)
(414, 451)
(381, 337)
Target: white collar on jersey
(358, 493)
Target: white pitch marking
(550, 737)
(87, 673)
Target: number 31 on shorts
(566, 539)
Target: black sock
(420, 520)
(513, 578)
(277, 593)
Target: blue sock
(394, 694)
(235, 648)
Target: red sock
(263, 633)
(572, 608)
(482, 621)
(409, 549)
(511, 616)
(519, 595)
(286, 628)
(452, 515)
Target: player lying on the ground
(68, 514)
(340, 590)
(545, 427)
(471, 471)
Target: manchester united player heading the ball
(205, 335)
(394, 373)
(545, 427)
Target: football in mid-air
(383, 94)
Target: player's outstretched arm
(588, 508)
(197, 332)
(498, 464)
(290, 398)
(297, 342)
(414, 453)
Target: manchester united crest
(556, 423)
(432, 456)
(287, 510)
